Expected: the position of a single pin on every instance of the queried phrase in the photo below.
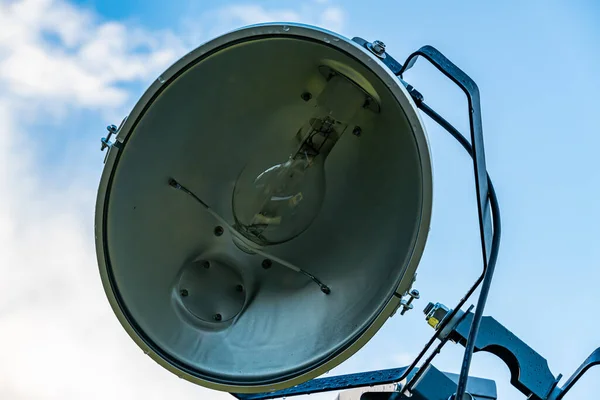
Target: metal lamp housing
(183, 290)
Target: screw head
(218, 230)
(183, 292)
(217, 317)
(239, 288)
(111, 128)
(206, 264)
(325, 289)
(378, 47)
(414, 293)
(266, 264)
(357, 131)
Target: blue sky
(67, 69)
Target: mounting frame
(529, 370)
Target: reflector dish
(211, 304)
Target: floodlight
(263, 210)
(264, 207)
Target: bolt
(218, 230)
(414, 294)
(266, 264)
(205, 264)
(112, 129)
(357, 131)
(217, 317)
(406, 306)
(415, 94)
(306, 96)
(325, 289)
(378, 47)
(183, 292)
(239, 288)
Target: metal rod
(483, 295)
(489, 271)
(176, 185)
(475, 148)
(467, 146)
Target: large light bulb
(274, 202)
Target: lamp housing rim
(253, 32)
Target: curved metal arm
(529, 371)
(469, 87)
(481, 183)
(591, 361)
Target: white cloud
(84, 63)
(59, 338)
(333, 18)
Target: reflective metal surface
(242, 94)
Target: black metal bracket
(469, 87)
(529, 371)
(591, 361)
(489, 232)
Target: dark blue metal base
(433, 385)
(341, 382)
(529, 372)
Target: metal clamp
(378, 49)
(106, 143)
(112, 130)
(406, 303)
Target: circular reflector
(265, 204)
